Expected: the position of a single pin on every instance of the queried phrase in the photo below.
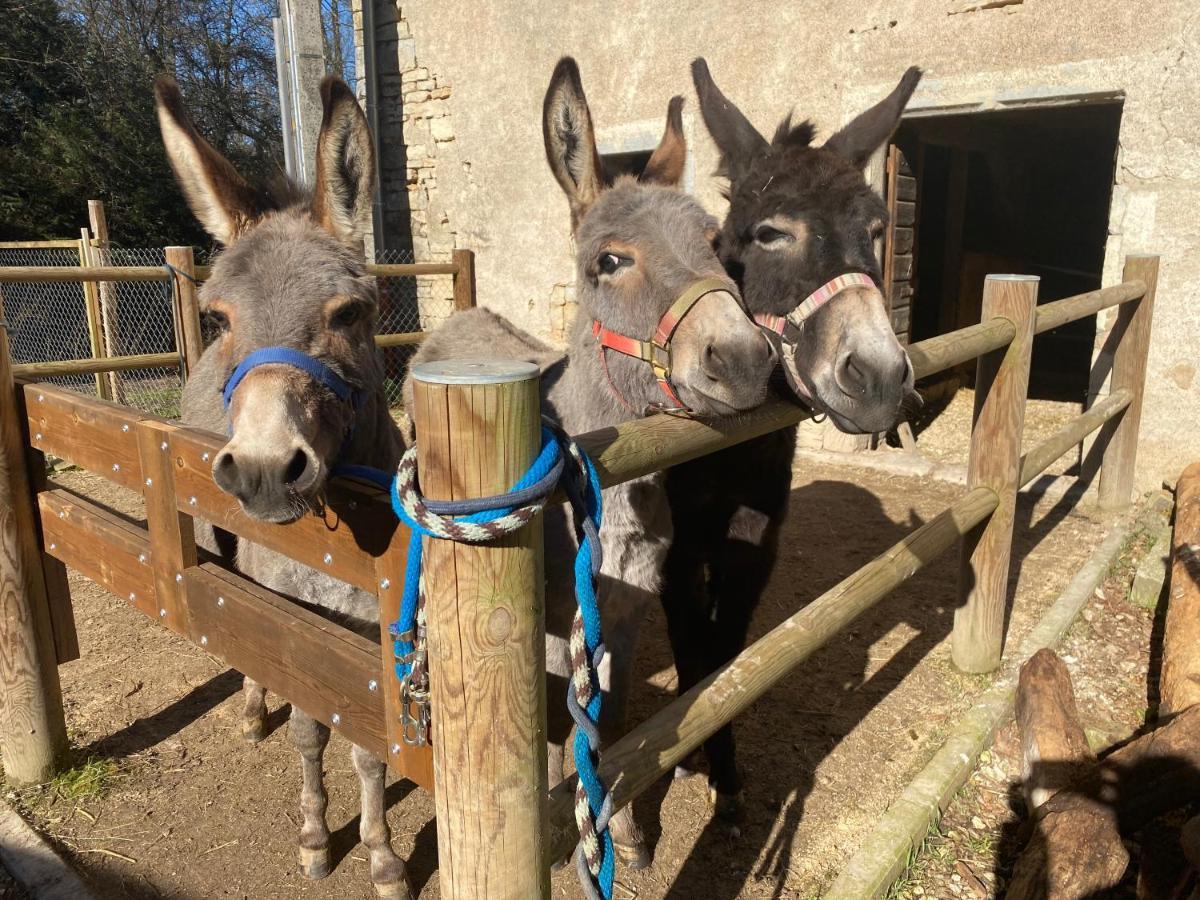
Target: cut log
(1179, 686)
(1076, 848)
(1054, 748)
(1155, 773)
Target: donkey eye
(347, 315)
(768, 236)
(215, 320)
(611, 262)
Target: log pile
(1082, 808)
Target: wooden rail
(481, 626)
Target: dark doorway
(1016, 191)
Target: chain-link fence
(49, 321)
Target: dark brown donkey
(292, 275)
(799, 217)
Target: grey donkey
(640, 244)
(292, 274)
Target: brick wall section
(414, 120)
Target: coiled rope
(481, 521)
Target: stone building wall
(490, 189)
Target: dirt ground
(166, 800)
(1110, 655)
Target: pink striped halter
(784, 331)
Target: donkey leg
(310, 737)
(388, 872)
(254, 713)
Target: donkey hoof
(633, 856)
(314, 864)
(253, 730)
(727, 806)
(394, 890)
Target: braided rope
(484, 520)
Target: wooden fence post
(1001, 389)
(185, 309)
(464, 279)
(34, 732)
(478, 431)
(100, 255)
(91, 304)
(1132, 329)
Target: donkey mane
(799, 135)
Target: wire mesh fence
(49, 322)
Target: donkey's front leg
(388, 872)
(254, 712)
(310, 738)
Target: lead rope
(484, 520)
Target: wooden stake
(91, 303)
(32, 727)
(464, 279)
(100, 255)
(1132, 328)
(186, 309)
(1001, 387)
(477, 432)
(1179, 684)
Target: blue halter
(286, 356)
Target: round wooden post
(1001, 388)
(186, 309)
(32, 728)
(1132, 329)
(464, 279)
(478, 431)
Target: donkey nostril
(296, 466)
(850, 378)
(713, 363)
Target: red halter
(657, 350)
(787, 328)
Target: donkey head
(800, 217)
(646, 265)
(292, 279)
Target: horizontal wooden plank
(902, 267)
(902, 292)
(354, 528)
(906, 187)
(400, 338)
(94, 434)
(58, 274)
(60, 367)
(314, 664)
(900, 318)
(902, 240)
(906, 213)
(99, 545)
(39, 245)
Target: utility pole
(300, 64)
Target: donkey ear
(738, 140)
(570, 139)
(218, 196)
(866, 133)
(345, 166)
(666, 163)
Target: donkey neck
(377, 439)
(586, 397)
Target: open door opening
(1016, 191)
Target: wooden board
(356, 527)
(94, 434)
(100, 546)
(902, 240)
(906, 213)
(172, 534)
(314, 664)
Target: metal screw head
(132, 595)
(142, 558)
(38, 436)
(372, 685)
(62, 514)
(220, 601)
(335, 719)
(53, 546)
(116, 467)
(191, 501)
(395, 748)
(162, 613)
(385, 584)
(179, 578)
(125, 429)
(162, 446)
(41, 397)
(353, 504)
(149, 482)
(328, 558)
(204, 456)
(203, 640)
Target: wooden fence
(488, 678)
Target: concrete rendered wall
(487, 186)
